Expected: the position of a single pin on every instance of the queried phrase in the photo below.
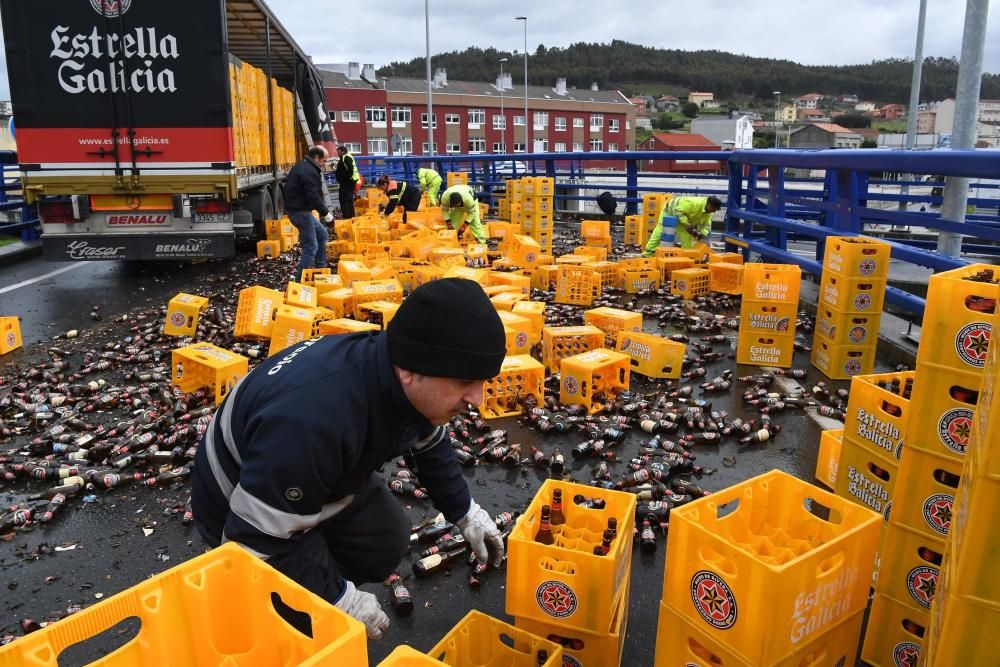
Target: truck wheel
(278, 197)
(260, 205)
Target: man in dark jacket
(400, 193)
(287, 466)
(303, 195)
(348, 181)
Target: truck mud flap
(84, 247)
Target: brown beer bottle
(544, 534)
(557, 518)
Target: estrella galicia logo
(570, 661)
(782, 324)
(852, 367)
(556, 599)
(921, 582)
(177, 318)
(906, 654)
(938, 512)
(111, 8)
(570, 385)
(866, 267)
(11, 339)
(626, 344)
(530, 258)
(887, 511)
(972, 343)
(863, 301)
(713, 599)
(521, 339)
(955, 429)
(857, 335)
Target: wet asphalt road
(111, 551)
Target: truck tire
(245, 227)
(260, 205)
(278, 197)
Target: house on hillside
(865, 107)
(667, 103)
(644, 123)
(847, 99)
(809, 101)
(702, 99)
(664, 141)
(891, 112)
(786, 114)
(824, 135)
(730, 133)
(812, 116)
(640, 102)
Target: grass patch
(8, 240)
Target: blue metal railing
(768, 202)
(29, 226)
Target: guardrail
(29, 225)
(771, 196)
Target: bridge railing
(28, 227)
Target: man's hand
(364, 607)
(480, 531)
(328, 218)
(461, 230)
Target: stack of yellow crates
(596, 233)
(252, 117)
(958, 322)
(282, 232)
(537, 208)
(768, 314)
(758, 575)
(966, 611)
(580, 603)
(652, 206)
(852, 292)
(457, 177)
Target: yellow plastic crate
(544, 277)
(943, 405)
(215, 609)
(652, 355)
(877, 418)
(725, 277)
(577, 260)
(640, 281)
(504, 278)
(538, 205)
(339, 301)
(690, 283)
(484, 641)
(753, 567)
(609, 271)
(772, 282)
(593, 379)
(345, 326)
(767, 317)
(831, 444)
(538, 186)
(896, 634)
(298, 294)
(636, 232)
(523, 250)
(182, 314)
(269, 248)
(457, 178)
(680, 642)
(255, 312)
(505, 301)
(667, 266)
(595, 229)
(561, 342)
(565, 583)
(726, 258)
(963, 630)
(847, 328)
(366, 291)
(909, 566)
(841, 362)
(349, 271)
(925, 491)
(599, 242)
(663, 252)
(518, 332)
(205, 365)
(309, 275)
(379, 313)
(426, 273)
(534, 311)
(294, 324)
(852, 295)
(10, 334)
(865, 476)
(407, 656)
(519, 377)
(595, 254)
(288, 241)
(324, 283)
(576, 285)
(958, 319)
(276, 228)
(856, 257)
(973, 539)
(613, 320)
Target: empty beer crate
(269, 248)
(544, 277)
(484, 641)
(538, 186)
(366, 291)
(761, 349)
(523, 250)
(345, 326)
(942, 409)
(636, 232)
(831, 445)
(294, 324)
(423, 274)
(534, 311)
(519, 377)
(958, 319)
(574, 259)
(726, 258)
(877, 418)
(610, 271)
(309, 276)
(10, 334)
(593, 379)
(349, 271)
(866, 477)
(772, 282)
(841, 362)
(522, 282)
(768, 317)
(326, 283)
(538, 207)
(297, 294)
(561, 342)
(339, 301)
(517, 330)
(847, 328)
(667, 266)
(565, 583)
(726, 278)
(910, 563)
(635, 282)
(962, 630)
(595, 229)
(255, 312)
(925, 491)
(856, 257)
(690, 283)
(613, 320)
(182, 314)
(852, 295)
(663, 252)
(215, 609)
(457, 178)
(679, 642)
(577, 286)
(652, 355)
(407, 656)
(742, 561)
(505, 301)
(205, 365)
(896, 634)
(379, 313)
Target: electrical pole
(430, 96)
(911, 113)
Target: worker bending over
(461, 210)
(400, 193)
(430, 183)
(693, 216)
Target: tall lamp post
(503, 128)
(526, 127)
(430, 100)
(777, 130)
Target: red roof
(683, 140)
(831, 127)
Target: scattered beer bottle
(556, 516)
(399, 596)
(544, 533)
(589, 503)
(558, 462)
(437, 562)
(647, 538)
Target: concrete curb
(16, 252)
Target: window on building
(477, 117)
(541, 120)
(400, 115)
(518, 121)
(577, 122)
(612, 147)
(577, 147)
(499, 122)
(452, 119)
(354, 146)
(518, 148)
(423, 148)
(374, 114)
(499, 147)
(541, 145)
(378, 146)
(613, 125)
(596, 121)
(628, 125)
(453, 148)
(423, 121)
(477, 145)
(350, 116)
(596, 145)
(406, 146)
(560, 147)
(560, 123)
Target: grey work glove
(364, 607)
(480, 531)
(328, 217)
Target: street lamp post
(503, 128)
(527, 136)
(430, 99)
(777, 130)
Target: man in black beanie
(287, 467)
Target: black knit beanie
(448, 328)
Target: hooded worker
(461, 210)
(690, 216)
(400, 193)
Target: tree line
(629, 67)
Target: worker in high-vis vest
(348, 180)
(430, 183)
(691, 218)
(400, 194)
(461, 210)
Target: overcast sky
(807, 31)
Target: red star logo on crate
(955, 428)
(906, 654)
(937, 512)
(866, 267)
(556, 599)
(922, 584)
(713, 599)
(972, 342)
